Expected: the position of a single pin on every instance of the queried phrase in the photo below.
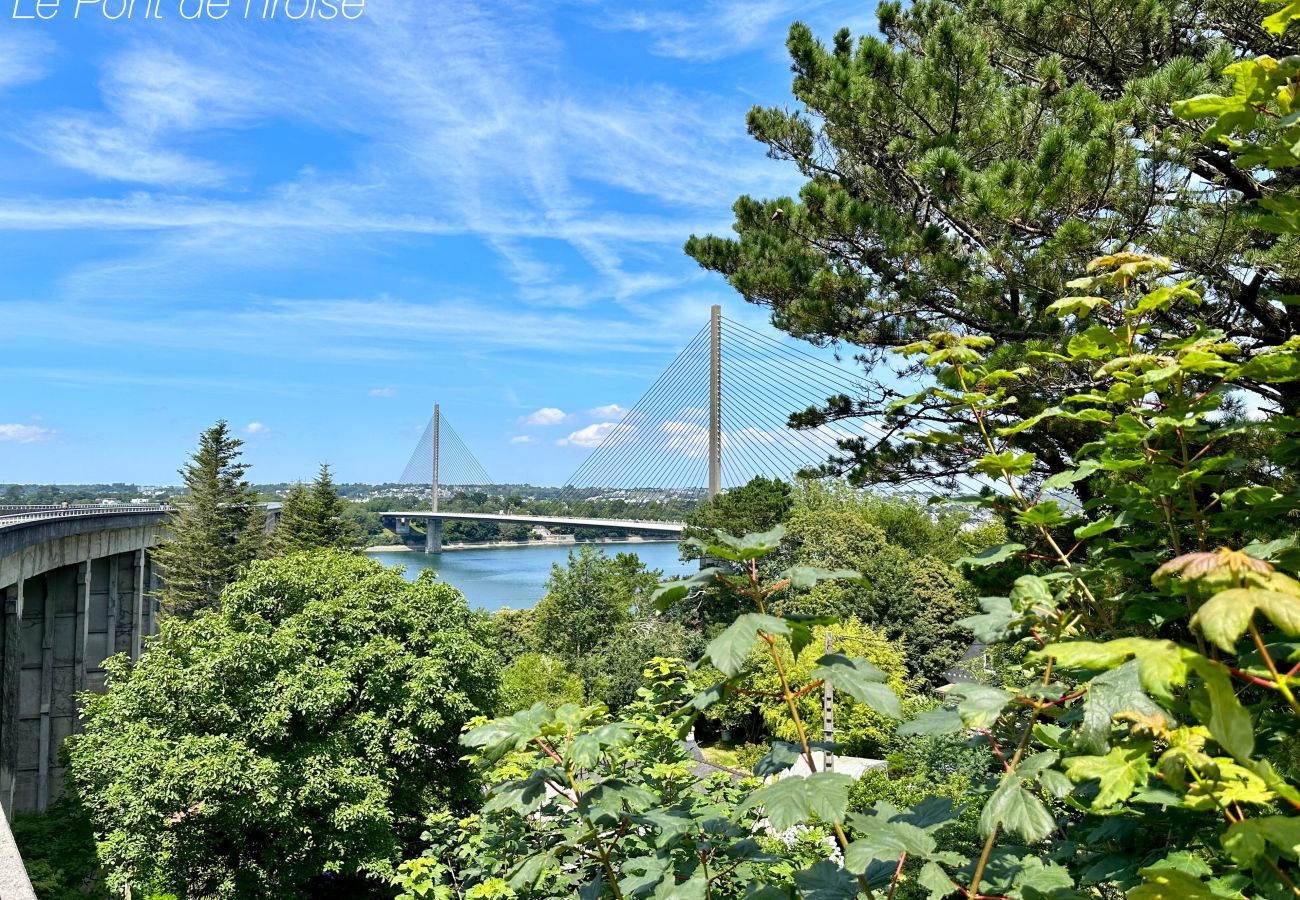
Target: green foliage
(513, 632)
(289, 739)
(58, 849)
(534, 678)
(313, 517)
(216, 530)
(588, 599)
(757, 506)
(592, 806)
(614, 671)
(859, 728)
(915, 597)
(965, 163)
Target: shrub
(294, 738)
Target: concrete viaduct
(78, 586)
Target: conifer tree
(964, 166)
(312, 518)
(216, 529)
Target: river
(516, 576)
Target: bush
(534, 678)
(289, 742)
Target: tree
(535, 678)
(755, 506)
(588, 599)
(514, 632)
(295, 737)
(615, 670)
(966, 165)
(313, 518)
(216, 529)
(912, 596)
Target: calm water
(516, 576)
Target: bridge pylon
(433, 527)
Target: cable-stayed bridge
(715, 418)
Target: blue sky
(317, 230)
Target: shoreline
(492, 545)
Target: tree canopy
(588, 599)
(299, 733)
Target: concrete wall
(69, 602)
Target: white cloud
(591, 436)
(24, 434)
(612, 411)
(547, 415)
(523, 439)
(256, 428)
(384, 392)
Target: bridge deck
(526, 519)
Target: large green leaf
(1225, 616)
(782, 756)
(1228, 721)
(1119, 773)
(936, 881)
(826, 881)
(1117, 691)
(744, 549)
(1162, 665)
(884, 840)
(933, 722)
(979, 705)
(671, 592)
(994, 624)
(729, 650)
(1171, 884)
(860, 680)
(797, 798)
(1246, 841)
(1014, 809)
(992, 555)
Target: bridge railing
(11, 519)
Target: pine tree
(312, 518)
(216, 529)
(967, 164)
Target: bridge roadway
(433, 542)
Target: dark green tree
(313, 517)
(965, 165)
(753, 507)
(217, 527)
(590, 598)
(292, 740)
(615, 670)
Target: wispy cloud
(547, 415)
(612, 411)
(23, 58)
(256, 428)
(384, 392)
(523, 439)
(24, 434)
